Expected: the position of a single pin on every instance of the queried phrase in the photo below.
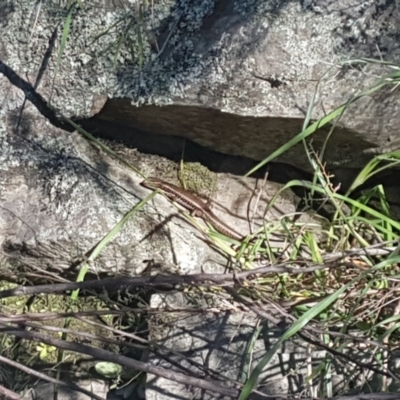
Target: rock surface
(60, 196)
(250, 58)
(235, 76)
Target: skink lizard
(194, 204)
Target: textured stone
(249, 58)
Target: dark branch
(162, 282)
(34, 97)
(100, 354)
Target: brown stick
(213, 386)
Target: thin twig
(33, 372)
(34, 97)
(100, 354)
(9, 394)
(171, 281)
(345, 356)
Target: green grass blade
(99, 143)
(114, 231)
(320, 123)
(303, 321)
(297, 326)
(352, 202)
(63, 44)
